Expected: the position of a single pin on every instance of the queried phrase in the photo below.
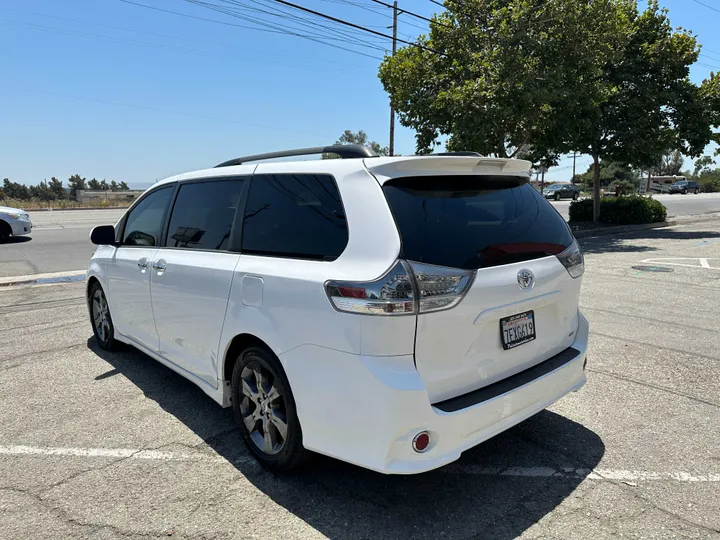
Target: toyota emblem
(526, 279)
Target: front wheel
(264, 410)
(4, 232)
(557, 196)
(575, 196)
(684, 192)
(100, 319)
(696, 192)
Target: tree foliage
(54, 189)
(610, 173)
(670, 164)
(359, 137)
(599, 78)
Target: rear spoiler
(385, 168)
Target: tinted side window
(143, 226)
(295, 215)
(203, 214)
(474, 221)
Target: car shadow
(496, 490)
(17, 240)
(618, 244)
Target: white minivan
(391, 312)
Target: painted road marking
(32, 278)
(621, 475)
(712, 263)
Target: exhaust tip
(421, 442)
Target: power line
(227, 23)
(438, 3)
(113, 39)
(416, 15)
(698, 2)
(353, 25)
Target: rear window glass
(474, 221)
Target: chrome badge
(526, 279)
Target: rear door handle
(142, 263)
(160, 264)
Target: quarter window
(295, 215)
(203, 215)
(143, 226)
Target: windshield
(681, 183)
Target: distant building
(111, 197)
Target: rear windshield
(474, 221)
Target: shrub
(626, 187)
(620, 210)
(709, 184)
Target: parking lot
(103, 446)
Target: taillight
(440, 287)
(392, 294)
(572, 260)
(408, 288)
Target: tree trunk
(596, 188)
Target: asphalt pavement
(95, 445)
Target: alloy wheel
(101, 315)
(263, 408)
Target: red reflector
(352, 292)
(421, 441)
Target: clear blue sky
(108, 89)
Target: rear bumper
(366, 410)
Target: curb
(77, 208)
(622, 229)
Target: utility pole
(573, 176)
(392, 108)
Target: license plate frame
(526, 330)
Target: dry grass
(36, 204)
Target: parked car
(13, 222)
(562, 191)
(391, 312)
(685, 187)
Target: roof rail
(345, 151)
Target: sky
(139, 90)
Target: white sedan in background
(13, 222)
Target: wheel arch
(238, 344)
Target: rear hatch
(521, 305)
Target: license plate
(517, 329)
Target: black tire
(557, 196)
(696, 192)
(684, 192)
(282, 457)
(100, 318)
(576, 196)
(5, 231)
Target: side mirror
(103, 235)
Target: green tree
(14, 190)
(703, 164)
(114, 185)
(76, 183)
(57, 189)
(104, 185)
(124, 186)
(610, 173)
(600, 78)
(93, 184)
(670, 164)
(360, 137)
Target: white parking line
(687, 262)
(522, 472)
(35, 277)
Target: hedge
(620, 210)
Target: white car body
(16, 219)
(364, 385)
